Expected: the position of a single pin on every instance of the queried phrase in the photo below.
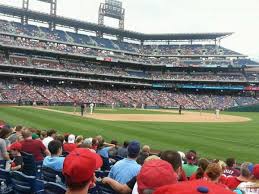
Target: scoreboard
(113, 8)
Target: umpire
(82, 109)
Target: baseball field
(233, 134)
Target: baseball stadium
(75, 85)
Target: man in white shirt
(251, 187)
(51, 135)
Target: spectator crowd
(85, 162)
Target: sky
(174, 16)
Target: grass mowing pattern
(213, 140)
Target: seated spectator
(34, 147)
(35, 136)
(54, 161)
(202, 166)
(143, 154)
(122, 151)
(43, 134)
(95, 144)
(230, 168)
(87, 143)
(70, 145)
(190, 167)
(193, 187)
(154, 174)
(78, 170)
(79, 140)
(17, 161)
(245, 176)
(60, 138)
(128, 187)
(124, 170)
(174, 158)
(16, 135)
(104, 148)
(51, 135)
(213, 173)
(251, 186)
(5, 131)
(114, 151)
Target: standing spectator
(123, 151)
(78, 170)
(143, 154)
(54, 161)
(191, 166)
(34, 147)
(124, 170)
(5, 131)
(51, 135)
(70, 145)
(230, 169)
(17, 162)
(245, 176)
(16, 135)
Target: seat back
(22, 183)
(101, 188)
(31, 167)
(49, 174)
(2, 164)
(101, 174)
(54, 188)
(5, 177)
(106, 164)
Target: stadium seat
(31, 167)
(23, 184)
(54, 188)
(106, 164)
(101, 174)
(49, 175)
(2, 164)
(6, 177)
(102, 189)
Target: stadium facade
(50, 66)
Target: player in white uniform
(217, 113)
(91, 108)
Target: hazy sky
(175, 16)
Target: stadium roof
(82, 25)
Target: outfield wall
(250, 108)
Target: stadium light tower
(53, 11)
(112, 9)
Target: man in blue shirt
(54, 161)
(124, 170)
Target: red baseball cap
(80, 165)
(193, 187)
(155, 173)
(256, 171)
(15, 146)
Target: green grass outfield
(212, 140)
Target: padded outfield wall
(250, 108)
